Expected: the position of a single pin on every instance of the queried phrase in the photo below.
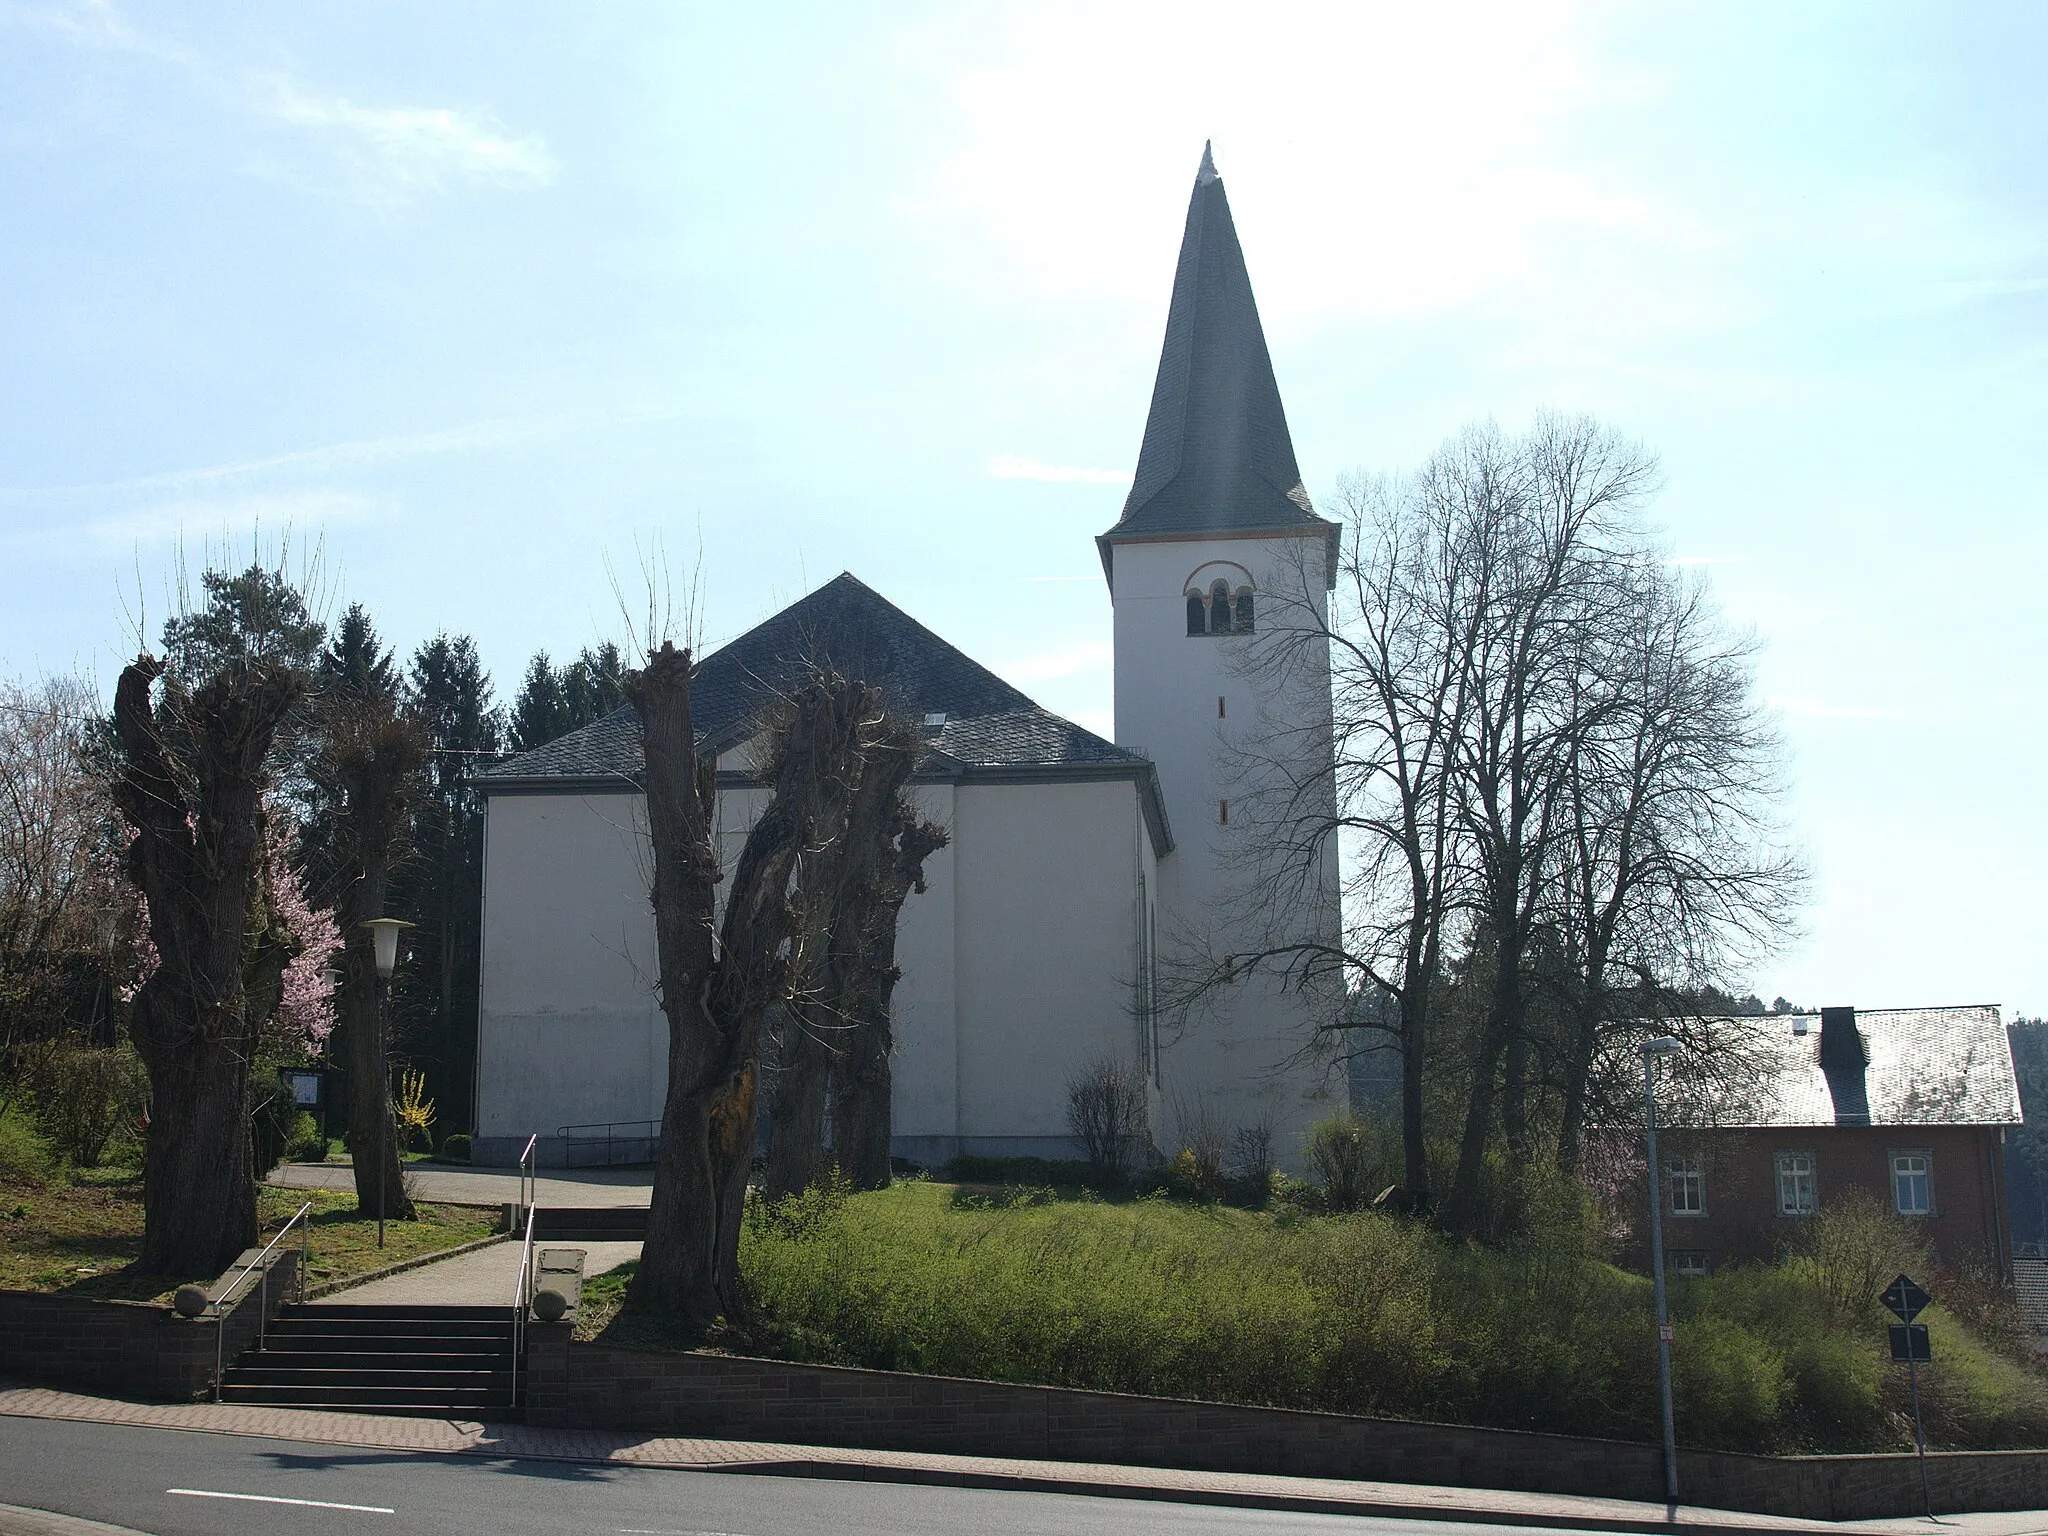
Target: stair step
(418, 1312)
(370, 1360)
(363, 1376)
(364, 1327)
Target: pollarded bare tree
(189, 780)
(716, 993)
(863, 1085)
(367, 769)
(835, 1029)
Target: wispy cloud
(359, 453)
(416, 149)
(155, 525)
(389, 153)
(1011, 466)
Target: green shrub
(24, 1154)
(305, 1142)
(1347, 1158)
(87, 1096)
(1853, 1248)
(455, 1148)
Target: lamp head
(384, 940)
(1663, 1045)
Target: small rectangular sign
(305, 1087)
(1909, 1341)
(1667, 1333)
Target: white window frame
(1686, 1175)
(1690, 1262)
(1786, 1165)
(1925, 1174)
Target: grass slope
(1360, 1313)
(77, 1233)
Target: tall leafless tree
(863, 1085)
(367, 764)
(716, 994)
(1545, 746)
(835, 1031)
(1674, 868)
(189, 781)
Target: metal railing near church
(610, 1144)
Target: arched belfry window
(1219, 607)
(1219, 599)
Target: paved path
(484, 1277)
(512, 1443)
(487, 1186)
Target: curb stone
(17, 1521)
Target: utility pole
(1663, 1045)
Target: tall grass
(1356, 1313)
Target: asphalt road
(131, 1477)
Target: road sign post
(1906, 1301)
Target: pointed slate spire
(1216, 457)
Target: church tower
(1217, 551)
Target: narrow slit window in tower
(1219, 706)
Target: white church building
(1079, 870)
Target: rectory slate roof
(1216, 457)
(988, 727)
(1880, 1066)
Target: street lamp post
(384, 944)
(1663, 1045)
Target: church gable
(976, 725)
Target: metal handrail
(520, 1301)
(529, 1176)
(263, 1303)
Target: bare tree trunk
(863, 1120)
(196, 856)
(715, 1001)
(796, 1125)
(371, 754)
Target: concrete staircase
(436, 1361)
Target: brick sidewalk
(1242, 1490)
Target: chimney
(1841, 1045)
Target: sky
(489, 310)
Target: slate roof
(990, 727)
(1898, 1066)
(1216, 456)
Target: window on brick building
(1913, 1183)
(1798, 1194)
(1688, 1261)
(1688, 1187)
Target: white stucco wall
(1250, 1053)
(1019, 962)
(568, 1030)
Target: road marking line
(271, 1498)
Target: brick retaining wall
(592, 1386)
(142, 1349)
